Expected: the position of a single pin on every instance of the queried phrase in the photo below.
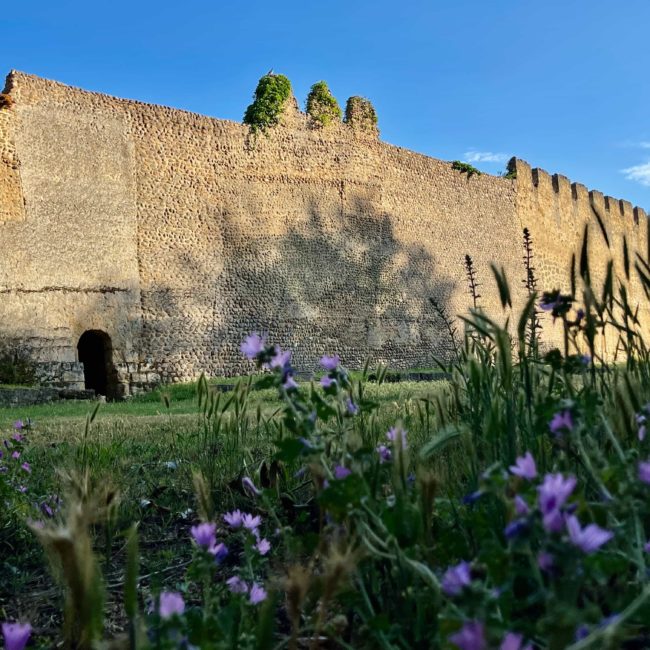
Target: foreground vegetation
(508, 508)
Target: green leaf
(444, 438)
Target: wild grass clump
(511, 510)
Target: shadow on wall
(339, 281)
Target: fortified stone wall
(177, 234)
(556, 212)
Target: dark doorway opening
(96, 353)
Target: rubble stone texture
(178, 234)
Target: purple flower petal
(330, 362)
(644, 472)
(525, 467)
(470, 637)
(171, 603)
(252, 345)
(257, 594)
(341, 472)
(204, 534)
(561, 421)
(588, 539)
(456, 578)
(16, 635)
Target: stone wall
(177, 234)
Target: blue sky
(562, 84)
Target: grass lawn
(146, 448)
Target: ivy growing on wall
(321, 104)
(465, 168)
(269, 100)
(361, 114)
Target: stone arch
(95, 352)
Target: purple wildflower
(351, 407)
(472, 497)
(257, 594)
(251, 522)
(18, 425)
(642, 432)
(554, 521)
(16, 635)
(18, 437)
(525, 467)
(341, 472)
(252, 345)
(384, 453)
(644, 472)
(588, 539)
(513, 641)
(204, 534)
(646, 547)
(15, 455)
(397, 433)
(456, 578)
(234, 519)
(249, 487)
(263, 546)
(289, 383)
(219, 551)
(515, 528)
(521, 507)
(548, 303)
(582, 632)
(470, 637)
(280, 359)
(554, 491)
(561, 420)
(327, 381)
(237, 585)
(171, 602)
(330, 362)
(45, 507)
(26, 467)
(22, 489)
(545, 561)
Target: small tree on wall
(269, 101)
(322, 105)
(360, 114)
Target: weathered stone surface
(178, 234)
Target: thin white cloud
(638, 173)
(635, 144)
(485, 157)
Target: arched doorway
(96, 353)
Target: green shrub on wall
(465, 168)
(361, 114)
(511, 169)
(269, 100)
(322, 105)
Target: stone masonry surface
(178, 234)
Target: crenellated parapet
(555, 193)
